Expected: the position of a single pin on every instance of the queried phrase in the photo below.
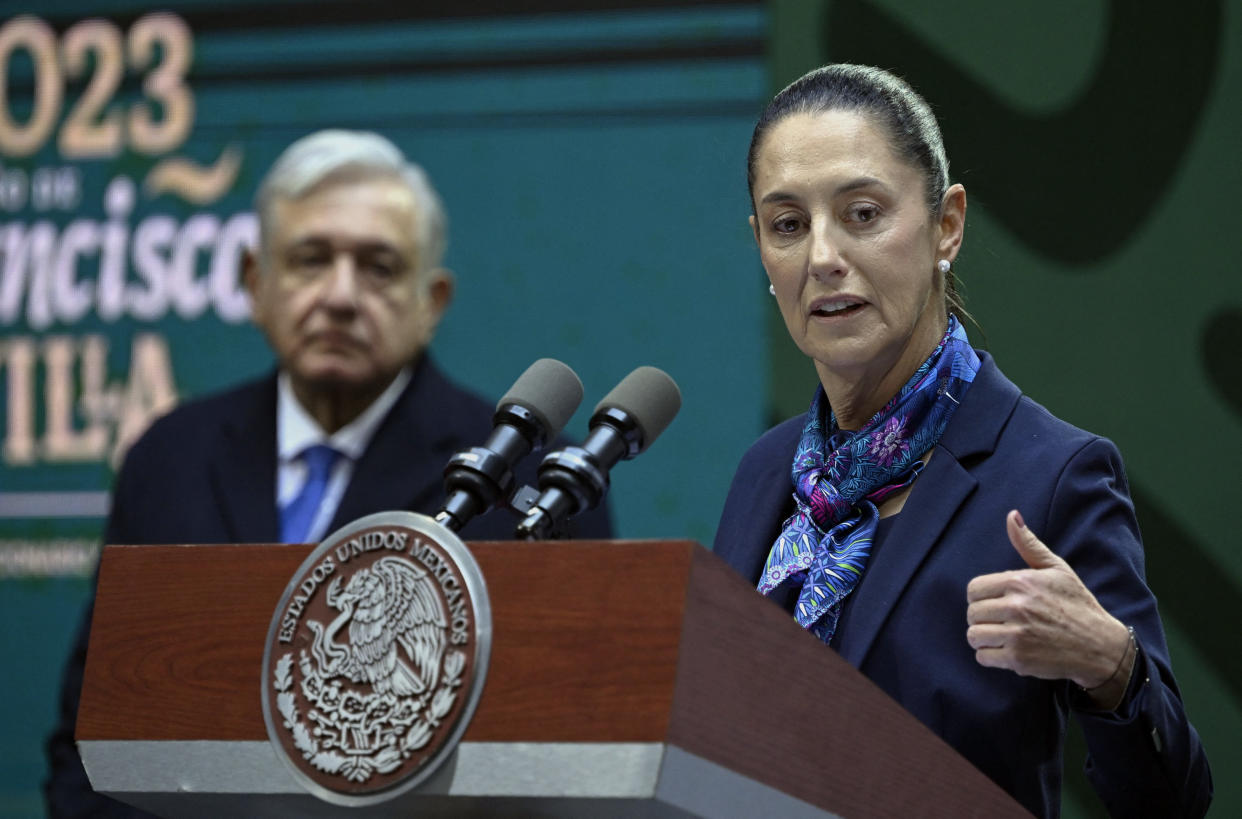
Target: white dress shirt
(296, 430)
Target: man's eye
(380, 269)
(308, 260)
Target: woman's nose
(824, 258)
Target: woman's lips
(836, 307)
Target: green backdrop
(591, 155)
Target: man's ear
(250, 271)
(252, 280)
(438, 289)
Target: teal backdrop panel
(589, 156)
(1098, 145)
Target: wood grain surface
(761, 696)
(622, 641)
(584, 648)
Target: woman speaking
(974, 556)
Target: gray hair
(337, 155)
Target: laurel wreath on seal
(356, 735)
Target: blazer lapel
(243, 469)
(915, 533)
(937, 495)
(754, 513)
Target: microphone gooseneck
(533, 412)
(626, 422)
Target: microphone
(531, 414)
(626, 422)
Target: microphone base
(536, 526)
(546, 521)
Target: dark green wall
(1098, 144)
(592, 158)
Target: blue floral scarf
(840, 477)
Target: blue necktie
(298, 515)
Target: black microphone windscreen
(548, 389)
(650, 396)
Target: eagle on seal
(392, 603)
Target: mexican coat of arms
(375, 658)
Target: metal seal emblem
(376, 657)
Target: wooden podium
(627, 678)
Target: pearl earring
(943, 266)
(772, 289)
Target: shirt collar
(296, 429)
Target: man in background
(347, 286)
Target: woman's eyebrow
(846, 187)
(860, 182)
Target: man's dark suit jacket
(904, 626)
(206, 473)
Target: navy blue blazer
(904, 626)
(206, 473)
